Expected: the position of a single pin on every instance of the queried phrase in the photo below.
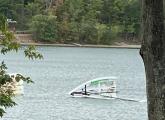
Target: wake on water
(108, 98)
(128, 99)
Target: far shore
(126, 46)
(26, 39)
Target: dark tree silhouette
(153, 54)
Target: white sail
(99, 87)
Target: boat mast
(85, 90)
(99, 87)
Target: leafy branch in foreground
(31, 53)
(6, 80)
(6, 91)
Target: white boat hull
(94, 97)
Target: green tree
(76, 16)
(101, 30)
(124, 15)
(8, 44)
(81, 17)
(44, 28)
(7, 9)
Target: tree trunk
(153, 54)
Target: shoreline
(26, 39)
(126, 46)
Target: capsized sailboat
(104, 87)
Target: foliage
(124, 14)
(88, 32)
(8, 44)
(80, 18)
(44, 28)
(98, 22)
(101, 30)
(76, 20)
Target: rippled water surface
(63, 69)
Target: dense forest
(75, 21)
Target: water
(63, 69)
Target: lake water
(63, 69)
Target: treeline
(75, 21)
